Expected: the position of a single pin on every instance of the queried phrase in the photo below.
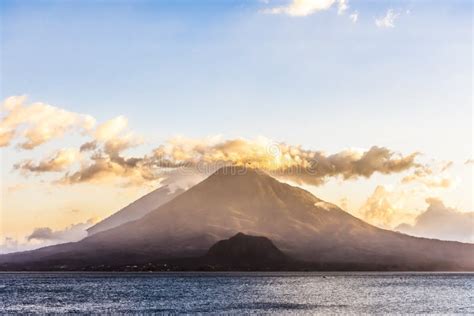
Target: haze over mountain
(136, 210)
(238, 199)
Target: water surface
(284, 293)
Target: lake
(237, 292)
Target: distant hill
(243, 251)
(237, 199)
(136, 210)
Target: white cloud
(354, 16)
(342, 6)
(304, 7)
(388, 20)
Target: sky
(239, 79)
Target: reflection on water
(285, 293)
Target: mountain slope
(136, 210)
(236, 199)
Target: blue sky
(190, 66)
(201, 68)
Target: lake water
(284, 293)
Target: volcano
(136, 210)
(239, 199)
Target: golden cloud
(101, 158)
(432, 177)
(38, 123)
(204, 156)
(283, 160)
(59, 161)
(385, 208)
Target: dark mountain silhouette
(237, 199)
(243, 251)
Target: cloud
(88, 146)
(432, 177)
(385, 208)
(431, 181)
(447, 165)
(45, 236)
(71, 233)
(280, 159)
(354, 16)
(441, 222)
(106, 162)
(102, 158)
(6, 136)
(104, 168)
(111, 128)
(197, 157)
(43, 233)
(38, 123)
(388, 20)
(307, 7)
(99, 157)
(114, 136)
(9, 244)
(59, 161)
(342, 6)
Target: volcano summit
(238, 199)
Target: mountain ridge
(238, 199)
(136, 209)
